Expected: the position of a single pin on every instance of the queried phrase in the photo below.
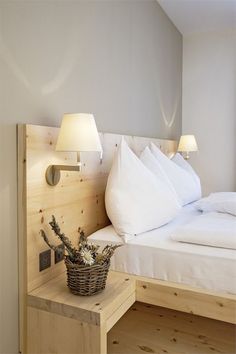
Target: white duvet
(223, 202)
(155, 255)
(216, 226)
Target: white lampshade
(78, 133)
(187, 143)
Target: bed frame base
(185, 298)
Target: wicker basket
(86, 280)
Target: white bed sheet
(154, 254)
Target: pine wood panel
(55, 297)
(186, 298)
(77, 201)
(60, 322)
(151, 329)
(52, 333)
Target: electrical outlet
(44, 260)
(59, 253)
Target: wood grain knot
(146, 349)
(201, 336)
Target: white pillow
(184, 184)
(181, 162)
(223, 202)
(136, 201)
(149, 160)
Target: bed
(155, 255)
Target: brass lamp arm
(53, 172)
(67, 167)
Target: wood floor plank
(151, 329)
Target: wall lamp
(78, 133)
(187, 144)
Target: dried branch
(82, 238)
(109, 250)
(44, 236)
(87, 253)
(106, 254)
(65, 240)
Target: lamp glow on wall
(78, 133)
(187, 144)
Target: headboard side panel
(77, 201)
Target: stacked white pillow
(149, 160)
(136, 200)
(180, 161)
(185, 185)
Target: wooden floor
(150, 329)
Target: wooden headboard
(77, 201)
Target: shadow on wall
(169, 118)
(69, 58)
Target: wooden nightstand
(60, 322)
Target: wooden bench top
(55, 297)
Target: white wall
(209, 106)
(121, 60)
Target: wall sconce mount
(53, 172)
